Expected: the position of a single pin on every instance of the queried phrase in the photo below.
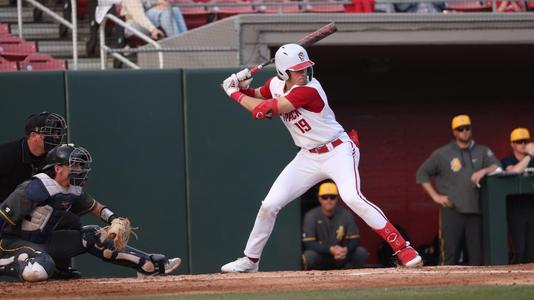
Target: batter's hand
(442, 200)
(231, 85)
(244, 74)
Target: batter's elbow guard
(266, 109)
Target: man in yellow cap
(520, 208)
(330, 235)
(458, 168)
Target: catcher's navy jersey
(37, 205)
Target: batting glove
(244, 74)
(231, 85)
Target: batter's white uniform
(313, 127)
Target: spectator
(330, 235)
(21, 159)
(148, 15)
(520, 208)
(458, 168)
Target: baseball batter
(326, 152)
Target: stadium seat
(469, 6)
(288, 8)
(39, 61)
(14, 48)
(530, 5)
(7, 66)
(360, 6)
(4, 28)
(311, 7)
(194, 16)
(228, 11)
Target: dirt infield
(272, 281)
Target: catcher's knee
(38, 266)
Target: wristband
(249, 92)
(107, 215)
(237, 96)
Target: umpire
(21, 159)
(458, 168)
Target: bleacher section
(44, 36)
(18, 54)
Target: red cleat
(409, 257)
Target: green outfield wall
(173, 153)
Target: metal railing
(73, 25)
(114, 52)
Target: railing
(105, 49)
(73, 25)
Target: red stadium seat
(39, 61)
(7, 66)
(469, 6)
(530, 5)
(360, 6)
(14, 48)
(288, 8)
(196, 16)
(228, 11)
(4, 28)
(324, 8)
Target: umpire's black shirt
(17, 164)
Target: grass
(429, 293)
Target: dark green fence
(172, 152)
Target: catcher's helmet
(77, 158)
(52, 126)
(291, 57)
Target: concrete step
(88, 64)
(36, 31)
(60, 48)
(9, 14)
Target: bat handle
(256, 69)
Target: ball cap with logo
(460, 120)
(328, 188)
(519, 134)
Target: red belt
(324, 148)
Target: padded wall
(24, 93)
(132, 123)
(232, 162)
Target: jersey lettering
(290, 116)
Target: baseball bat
(305, 42)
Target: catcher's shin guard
(147, 264)
(37, 266)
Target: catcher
(30, 246)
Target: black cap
(35, 121)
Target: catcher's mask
(52, 126)
(77, 158)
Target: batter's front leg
(298, 177)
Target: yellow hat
(519, 134)
(328, 188)
(460, 120)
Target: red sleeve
(307, 98)
(265, 91)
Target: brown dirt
(271, 281)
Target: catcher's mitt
(117, 234)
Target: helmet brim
(302, 66)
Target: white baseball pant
(303, 172)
